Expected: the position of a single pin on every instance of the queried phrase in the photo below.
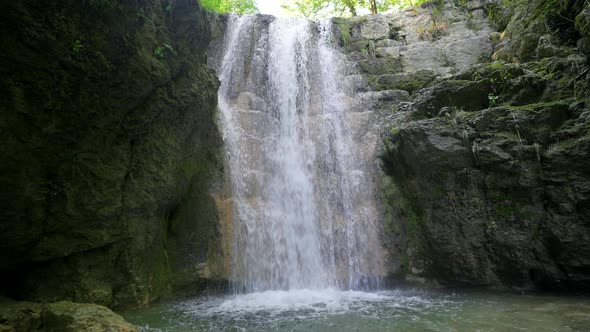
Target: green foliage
(508, 208)
(76, 47)
(405, 264)
(493, 100)
(322, 8)
(346, 36)
(337, 8)
(231, 6)
(161, 50)
(471, 25)
(433, 32)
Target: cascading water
(305, 213)
(302, 135)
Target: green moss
(161, 274)
(96, 171)
(583, 21)
(507, 207)
(394, 130)
(345, 27)
(405, 264)
(438, 192)
(401, 208)
(19, 101)
(539, 107)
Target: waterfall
(305, 212)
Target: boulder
(59, 317)
(373, 27)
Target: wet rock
(20, 316)
(357, 84)
(250, 101)
(68, 316)
(380, 66)
(58, 317)
(525, 89)
(481, 196)
(107, 132)
(546, 49)
(409, 81)
(379, 99)
(468, 96)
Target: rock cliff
(111, 165)
(487, 180)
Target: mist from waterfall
(305, 213)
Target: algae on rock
(111, 152)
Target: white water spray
(305, 214)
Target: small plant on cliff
(161, 50)
(471, 25)
(434, 32)
(493, 99)
(76, 47)
(345, 28)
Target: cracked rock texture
(487, 172)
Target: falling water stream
(307, 255)
(305, 217)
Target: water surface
(398, 310)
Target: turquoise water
(399, 310)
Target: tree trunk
(351, 4)
(373, 6)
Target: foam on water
(304, 303)
(401, 310)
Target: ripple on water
(333, 310)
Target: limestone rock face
(468, 96)
(110, 162)
(497, 197)
(410, 42)
(486, 170)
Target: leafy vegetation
(325, 8)
(231, 6)
(161, 51)
(77, 46)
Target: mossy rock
(59, 317)
(73, 317)
(380, 66)
(410, 82)
(104, 139)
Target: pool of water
(396, 310)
